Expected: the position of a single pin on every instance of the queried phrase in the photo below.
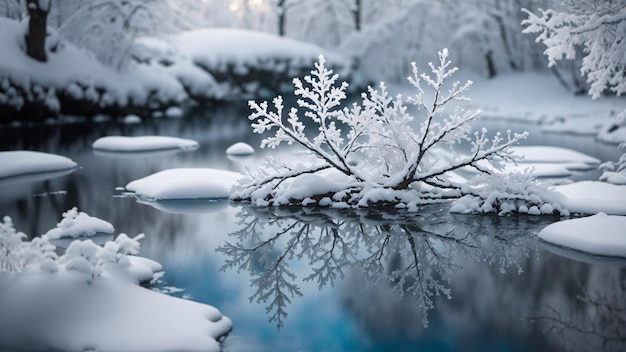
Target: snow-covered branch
(370, 149)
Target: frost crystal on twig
(372, 153)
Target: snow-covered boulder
(186, 183)
(25, 162)
(599, 234)
(143, 143)
(240, 148)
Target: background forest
(385, 36)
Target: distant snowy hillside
(199, 65)
(245, 63)
(74, 82)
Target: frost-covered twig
(372, 144)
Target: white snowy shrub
(84, 257)
(370, 154)
(515, 192)
(108, 28)
(79, 224)
(90, 259)
(615, 171)
(17, 254)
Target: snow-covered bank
(73, 82)
(590, 197)
(60, 312)
(540, 98)
(202, 65)
(82, 299)
(243, 63)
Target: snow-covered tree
(37, 28)
(370, 154)
(108, 28)
(13, 9)
(16, 254)
(599, 28)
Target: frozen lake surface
(332, 280)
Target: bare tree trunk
(282, 12)
(491, 67)
(36, 36)
(358, 9)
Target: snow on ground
(187, 183)
(88, 300)
(79, 224)
(233, 59)
(544, 154)
(61, 312)
(74, 71)
(143, 143)
(24, 162)
(220, 47)
(546, 161)
(599, 234)
(140, 271)
(590, 197)
(240, 148)
(539, 98)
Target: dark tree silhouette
(37, 27)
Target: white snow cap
(599, 234)
(79, 224)
(240, 148)
(185, 183)
(23, 162)
(143, 143)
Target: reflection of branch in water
(411, 254)
(600, 325)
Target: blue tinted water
(494, 269)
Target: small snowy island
(186, 183)
(599, 234)
(24, 162)
(240, 149)
(142, 144)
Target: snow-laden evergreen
(368, 154)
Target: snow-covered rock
(79, 224)
(591, 197)
(599, 234)
(187, 183)
(24, 162)
(143, 143)
(240, 148)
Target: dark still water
(333, 280)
